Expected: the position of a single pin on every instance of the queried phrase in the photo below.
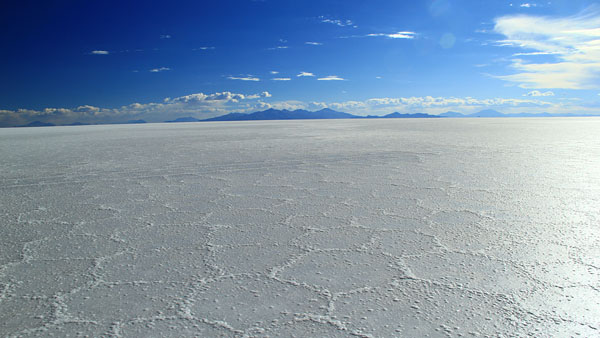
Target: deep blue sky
(383, 56)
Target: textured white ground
(408, 228)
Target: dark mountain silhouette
(135, 122)
(184, 119)
(300, 114)
(275, 114)
(408, 116)
(487, 113)
(452, 114)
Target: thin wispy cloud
(204, 48)
(574, 41)
(337, 22)
(281, 79)
(302, 74)
(274, 72)
(246, 78)
(398, 35)
(331, 78)
(165, 36)
(528, 5)
(158, 70)
(313, 43)
(279, 47)
(99, 52)
(534, 53)
(537, 93)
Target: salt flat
(375, 228)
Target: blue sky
(106, 61)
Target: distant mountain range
(300, 114)
(275, 114)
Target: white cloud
(289, 105)
(158, 70)
(331, 78)
(313, 43)
(305, 74)
(537, 93)
(281, 79)
(398, 35)
(574, 41)
(165, 36)
(528, 5)
(341, 23)
(100, 52)
(274, 72)
(278, 47)
(204, 48)
(197, 105)
(247, 78)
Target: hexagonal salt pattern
(356, 228)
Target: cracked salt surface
(396, 228)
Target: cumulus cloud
(538, 93)
(331, 78)
(528, 5)
(245, 78)
(574, 41)
(398, 35)
(99, 52)
(305, 74)
(198, 105)
(431, 105)
(158, 70)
